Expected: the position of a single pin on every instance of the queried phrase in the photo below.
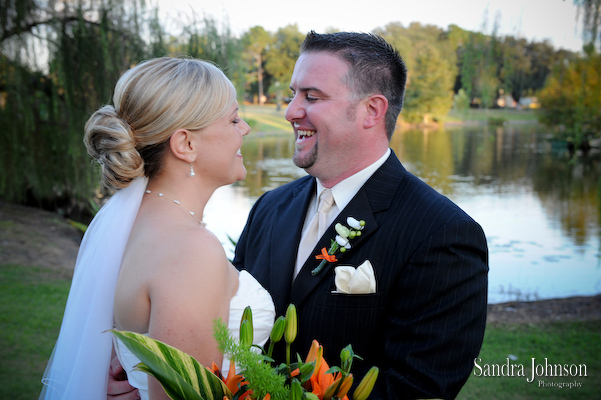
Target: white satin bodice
(250, 293)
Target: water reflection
(540, 212)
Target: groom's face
(322, 113)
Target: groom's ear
(182, 145)
(374, 108)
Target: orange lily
(345, 386)
(233, 381)
(315, 351)
(331, 390)
(325, 256)
(319, 382)
(215, 369)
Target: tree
(203, 38)
(591, 13)
(457, 38)
(48, 99)
(431, 64)
(515, 66)
(461, 101)
(429, 95)
(397, 36)
(572, 98)
(572, 94)
(281, 57)
(542, 58)
(488, 65)
(45, 100)
(256, 42)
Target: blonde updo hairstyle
(151, 101)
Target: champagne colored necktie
(317, 227)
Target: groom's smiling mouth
(305, 134)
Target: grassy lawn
(485, 115)
(265, 119)
(32, 302)
(560, 342)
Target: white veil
(78, 367)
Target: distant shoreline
(577, 308)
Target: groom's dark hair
(375, 67)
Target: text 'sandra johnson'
(537, 369)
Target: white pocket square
(351, 280)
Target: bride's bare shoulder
(198, 243)
(190, 247)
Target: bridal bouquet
(183, 377)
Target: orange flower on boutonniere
(340, 243)
(325, 256)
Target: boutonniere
(341, 243)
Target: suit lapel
(285, 240)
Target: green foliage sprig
(262, 377)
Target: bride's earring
(192, 170)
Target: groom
(423, 324)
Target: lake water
(539, 210)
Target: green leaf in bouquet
(305, 370)
(334, 369)
(180, 374)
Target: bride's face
(219, 156)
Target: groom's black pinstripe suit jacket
(424, 326)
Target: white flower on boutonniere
(343, 242)
(353, 223)
(340, 243)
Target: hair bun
(109, 141)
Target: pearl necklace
(179, 203)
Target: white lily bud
(353, 223)
(342, 241)
(342, 230)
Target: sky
(535, 20)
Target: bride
(148, 263)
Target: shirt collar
(345, 190)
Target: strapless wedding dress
(250, 293)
